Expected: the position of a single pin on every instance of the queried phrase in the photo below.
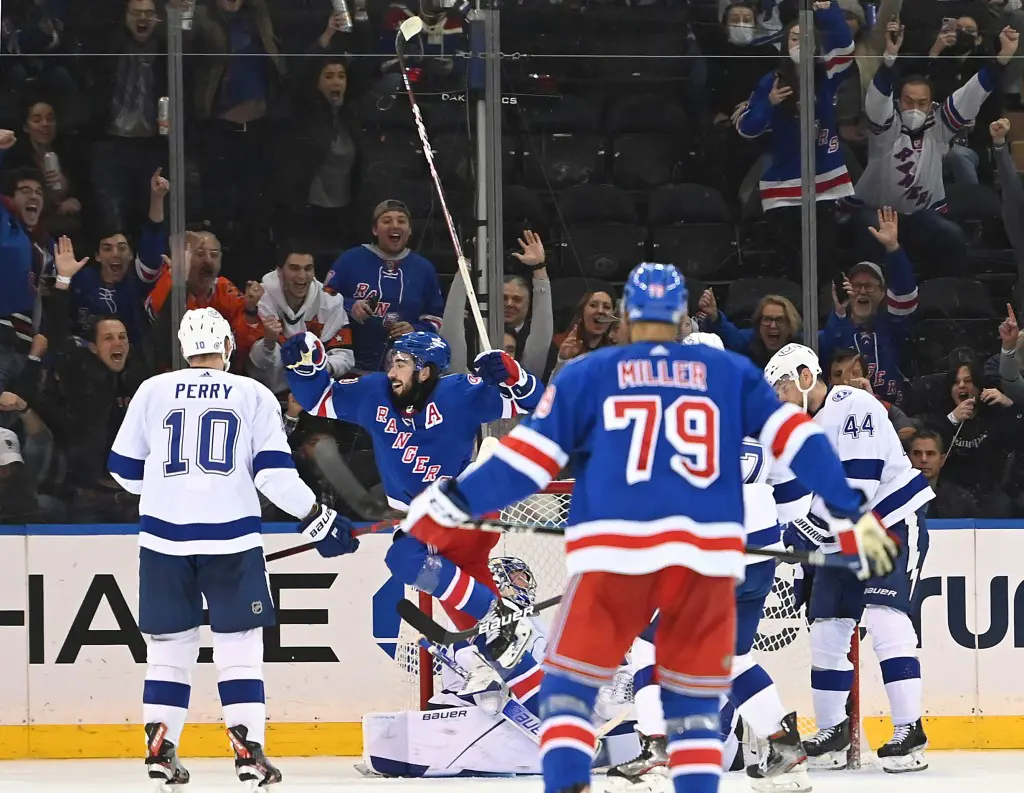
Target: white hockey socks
(831, 670)
(168, 685)
(895, 643)
(756, 697)
(239, 661)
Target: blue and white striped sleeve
(273, 470)
(127, 459)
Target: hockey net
(782, 645)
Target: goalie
(469, 729)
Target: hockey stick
(409, 30)
(513, 711)
(340, 477)
(381, 527)
(426, 626)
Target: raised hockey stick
(409, 30)
(438, 634)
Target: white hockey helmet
(786, 365)
(701, 337)
(204, 331)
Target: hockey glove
(497, 367)
(436, 510)
(870, 542)
(807, 534)
(304, 354)
(331, 532)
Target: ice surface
(950, 772)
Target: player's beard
(414, 398)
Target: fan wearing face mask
(737, 60)
(910, 135)
(957, 55)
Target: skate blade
(365, 770)
(650, 782)
(904, 764)
(794, 781)
(830, 761)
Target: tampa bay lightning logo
(841, 394)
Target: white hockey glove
(440, 505)
(870, 542)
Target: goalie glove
(868, 540)
(435, 511)
(304, 354)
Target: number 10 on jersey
(690, 424)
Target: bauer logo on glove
(304, 354)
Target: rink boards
(72, 660)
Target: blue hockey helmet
(655, 293)
(424, 348)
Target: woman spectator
(774, 324)
(590, 328)
(237, 85)
(736, 61)
(319, 166)
(981, 427)
(62, 210)
(773, 110)
(848, 367)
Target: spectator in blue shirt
(388, 289)
(874, 317)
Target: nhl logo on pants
(257, 607)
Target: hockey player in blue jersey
(424, 425)
(857, 425)
(754, 694)
(196, 444)
(656, 521)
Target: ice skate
(827, 748)
(904, 752)
(783, 766)
(251, 765)
(506, 638)
(162, 762)
(652, 760)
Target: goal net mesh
(782, 645)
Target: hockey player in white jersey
(782, 766)
(857, 425)
(196, 444)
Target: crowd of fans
(309, 207)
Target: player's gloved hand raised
(331, 532)
(304, 354)
(497, 367)
(871, 543)
(435, 511)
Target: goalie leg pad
(895, 645)
(168, 686)
(831, 669)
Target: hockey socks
(567, 737)
(168, 686)
(239, 661)
(755, 697)
(464, 598)
(694, 742)
(831, 670)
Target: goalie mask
(514, 579)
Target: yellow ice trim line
(74, 741)
(311, 739)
